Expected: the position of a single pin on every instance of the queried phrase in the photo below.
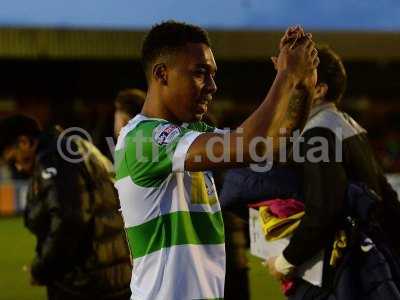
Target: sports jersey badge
(166, 133)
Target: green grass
(17, 248)
(262, 286)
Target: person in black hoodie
(72, 209)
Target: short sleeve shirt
(172, 217)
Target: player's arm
(300, 103)
(240, 147)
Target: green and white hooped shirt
(172, 217)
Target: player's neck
(154, 108)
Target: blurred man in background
(72, 209)
(128, 104)
(324, 184)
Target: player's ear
(160, 73)
(321, 89)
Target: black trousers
(306, 291)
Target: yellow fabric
(338, 245)
(202, 192)
(275, 228)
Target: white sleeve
(221, 131)
(178, 159)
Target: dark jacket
(72, 209)
(369, 270)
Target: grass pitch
(17, 248)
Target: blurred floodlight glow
(354, 15)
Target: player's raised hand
(292, 34)
(299, 59)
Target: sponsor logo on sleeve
(166, 133)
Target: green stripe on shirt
(178, 228)
(120, 166)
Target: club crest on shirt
(165, 133)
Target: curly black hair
(169, 37)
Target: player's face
(191, 82)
